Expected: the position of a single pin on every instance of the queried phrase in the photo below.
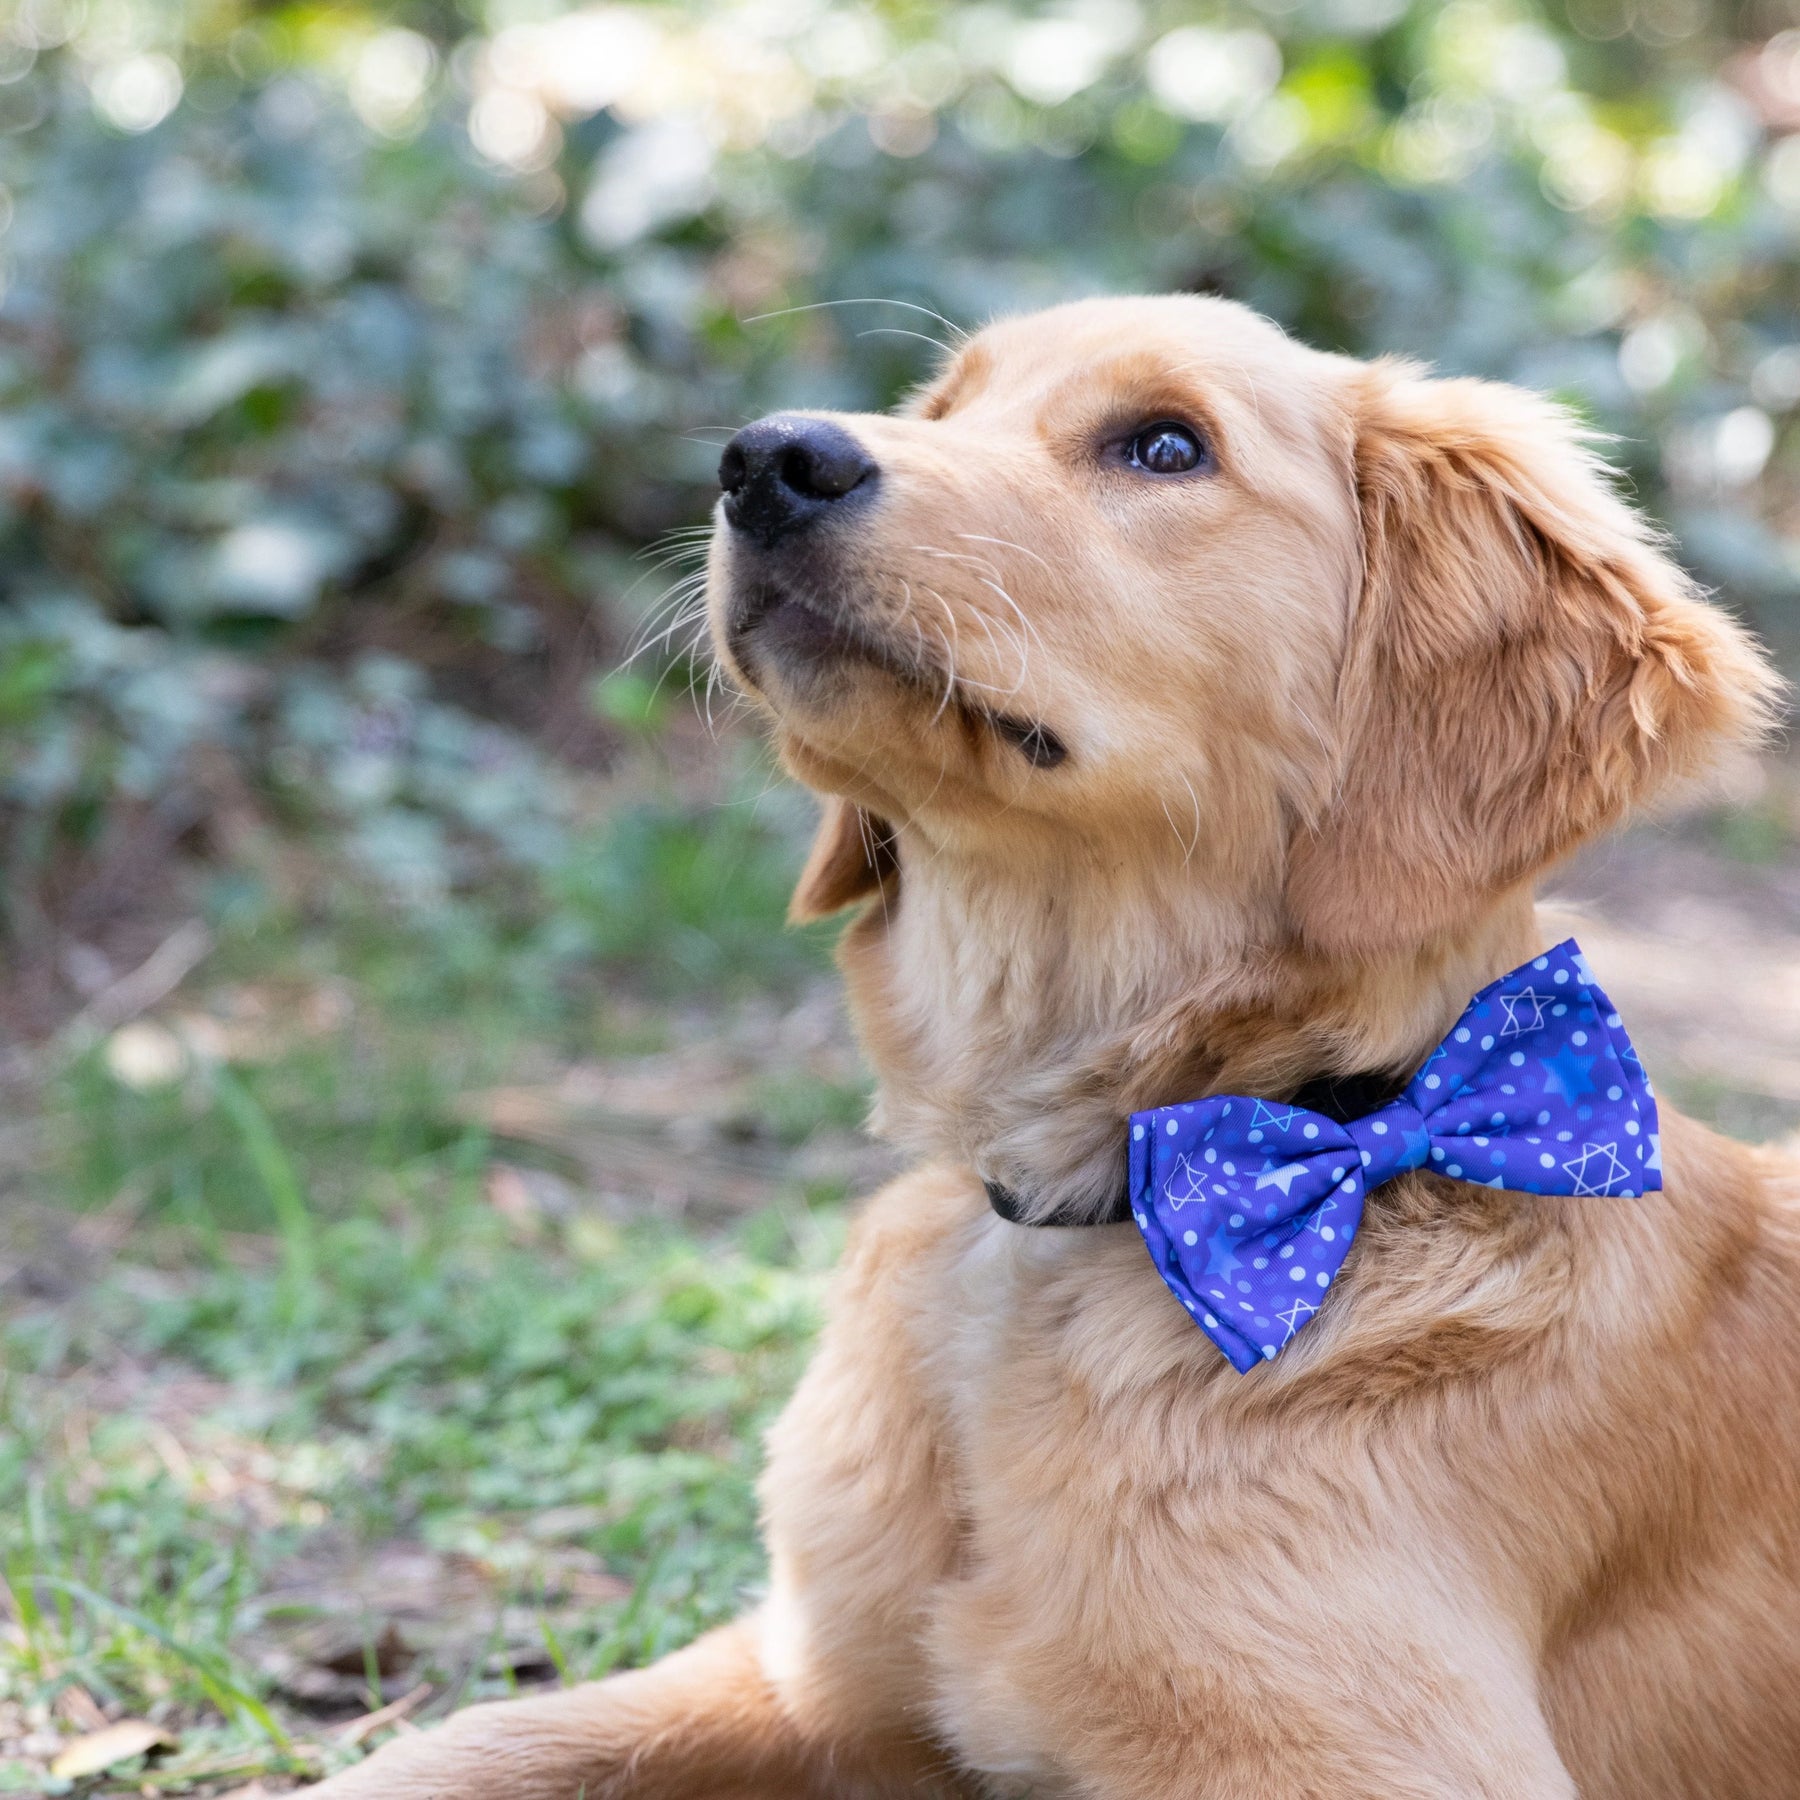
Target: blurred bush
(349, 355)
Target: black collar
(1339, 1097)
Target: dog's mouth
(772, 630)
(800, 646)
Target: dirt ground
(1700, 948)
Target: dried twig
(392, 1714)
(154, 979)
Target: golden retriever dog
(1194, 713)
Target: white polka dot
(1212, 1156)
(1367, 1159)
(1577, 1038)
(1310, 1131)
(1287, 1250)
(1453, 1168)
(1137, 1134)
(1188, 1238)
(1562, 974)
(1268, 1351)
(1631, 1127)
(1517, 1059)
(1547, 1160)
(1380, 1130)
(1322, 1279)
(1208, 1319)
(1142, 1221)
(1543, 962)
(1432, 1081)
(1487, 1043)
(1262, 1262)
(1172, 1128)
(1237, 1220)
(1327, 1233)
(1229, 1168)
(1613, 1093)
(1337, 1174)
(1296, 1274)
(1462, 1034)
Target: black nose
(787, 470)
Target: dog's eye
(1166, 448)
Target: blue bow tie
(1249, 1207)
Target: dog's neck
(1016, 1019)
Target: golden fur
(1519, 1513)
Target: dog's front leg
(703, 1724)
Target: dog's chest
(1032, 1579)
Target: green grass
(319, 1339)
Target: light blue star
(1282, 1178)
(1568, 1072)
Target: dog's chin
(800, 654)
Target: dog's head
(1144, 584)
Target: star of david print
(1315, 1220)
(1192, 1188)
(1524, 1011)
(1264, 1115)
(1597, 1170)
(1296, 1315)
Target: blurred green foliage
(348, 355)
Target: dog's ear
(853, 853)
(1524, 664)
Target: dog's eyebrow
(1132, 386)
(962, 381)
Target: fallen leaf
(81, 1709)
(101, 1749)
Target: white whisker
(782, 312)
(975, 537)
